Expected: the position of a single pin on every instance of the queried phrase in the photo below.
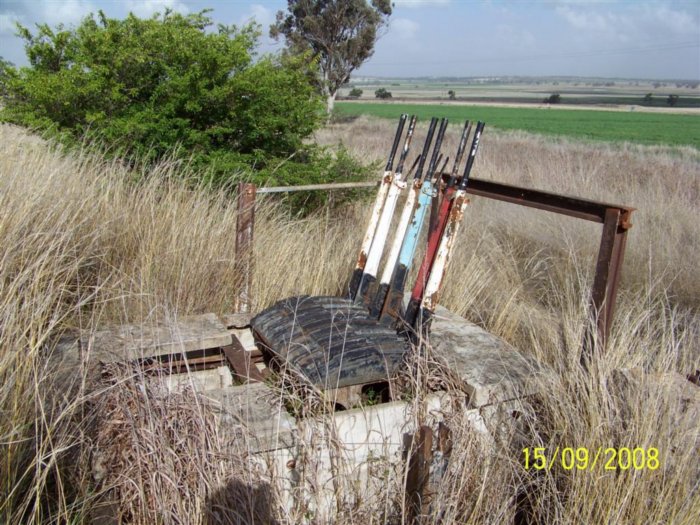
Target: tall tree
(339, 34)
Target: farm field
(576, 91)
(637, 127)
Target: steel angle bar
(313, 187)
(563, 204)
(616, 221)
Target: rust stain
(362, 259)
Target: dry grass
(82, 246)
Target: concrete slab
(259, 410)
(129, 342)
(245, 336)
(492, 370)
(237, 320)
(200, 381)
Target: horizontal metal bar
(312, 187)
(562, 204)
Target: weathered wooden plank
(131, 342)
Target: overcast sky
(606, 38)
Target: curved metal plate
(330, 340)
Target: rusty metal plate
(330, 341)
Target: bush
(451, 94)
(5, 72)
(382, 93)
(672, 100)
(355, 93)
(554, 98)
(144, 88)
(308, 166)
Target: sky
(649, 39)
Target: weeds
(82, 246)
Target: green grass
(638, 127)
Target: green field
(644, 128)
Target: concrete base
(492, 371)
(353, 449)
(130, 342)
(256, 409)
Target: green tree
(143, 86)
(338, 34)
(451, 94)
(554, 98)
(648, 98)
(6, 70)
(382, 93)
(355, 93)
(672, 100)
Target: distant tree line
(671, 100)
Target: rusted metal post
(607, 276)
(616, 221)
(245, 223)
(418, 475)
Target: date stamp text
(581, 458)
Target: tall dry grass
(84, 244)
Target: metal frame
(614, 218)
(616, 221)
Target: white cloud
(7, 23)
(588, 20)
(261, 14)
(147, 8)
(514, 38)
(403, 28)
(678, 22)
(420, 3)
(66, 12)
(648, 22)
